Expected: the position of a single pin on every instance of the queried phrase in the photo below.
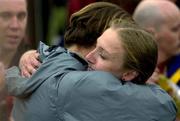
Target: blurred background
(49, 18)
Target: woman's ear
(130, 75)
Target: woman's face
(108, 54)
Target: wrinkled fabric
(61, 91)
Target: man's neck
(162, 57)
(162, 61)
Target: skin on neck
(82, 51)
(162, 57)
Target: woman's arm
(29, 62)
(55, 61)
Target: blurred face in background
(13, 20)
(168, 35)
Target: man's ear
(151, 30)
(130, 75)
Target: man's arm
(57, 60)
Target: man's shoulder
(88, 81)
(91, 76)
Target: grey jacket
(62, 91)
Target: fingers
(29, 62)
(25, 73)
(33, 62)
(27, 70)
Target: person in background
(165, 25)
(162, 18)
(13, 19)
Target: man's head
(89, 23)
(125, 50)
(13, 19)
(161, 17)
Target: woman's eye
(102, 55)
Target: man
(13, 19)
(163, 20)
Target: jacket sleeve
(56, 60)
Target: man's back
(62, 92)
(95, 96)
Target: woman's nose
(91, 57)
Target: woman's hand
(29, 62)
